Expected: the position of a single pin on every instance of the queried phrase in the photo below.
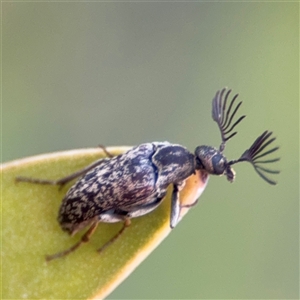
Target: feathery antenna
(252, 155)
(224, 117)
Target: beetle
(119, 188)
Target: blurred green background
(79, 74)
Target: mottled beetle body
(134, 183)
(126, 186)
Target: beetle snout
(230, 174)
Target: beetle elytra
(119, 188)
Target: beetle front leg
(189, 205)
(175, 206)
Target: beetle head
(213, 160)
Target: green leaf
(30, 231)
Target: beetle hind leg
(84, 239)
(126, 224)
(62, 181)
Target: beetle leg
(108, 154)
(126, 224)
(84, 239)
(63, 180)
(175, 206)
(189, 205)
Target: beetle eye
(219, 163)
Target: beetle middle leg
(84, 239)
(126, 224)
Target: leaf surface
(30, 231)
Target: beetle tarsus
(190, 204)
(36, 180)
